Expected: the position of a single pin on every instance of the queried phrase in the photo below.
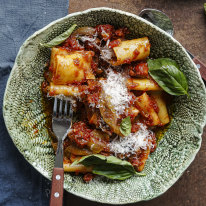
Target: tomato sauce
(88, 177)
(153, 104)
(72, 43)
(114, 43)
(140, 70)
(120, 33)
(80, 134)
(105, 31)
(76, 61)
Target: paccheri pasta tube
(131, 50)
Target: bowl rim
(184, 166)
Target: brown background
(189, 23)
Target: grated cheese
(106, 54)
(90, 39)
(86, 38)
(116, 92)
(133, 142)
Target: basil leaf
(59, 39)
(110, 167)
(166, 73)
(126, 126)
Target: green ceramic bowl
(25, 117)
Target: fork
(61, 123)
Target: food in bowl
(119, 98)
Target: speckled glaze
(23, 112)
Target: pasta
(72, 68)
(132, 50)
(143, 102)
(118, 104)
(142, 85)
(69, 90)
(162, 113)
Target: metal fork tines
(61, 123)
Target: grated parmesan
(106, 54)
(116, 92)
(133, 142)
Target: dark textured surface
(21, 184)
(190, 28)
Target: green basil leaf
(59, 39)
(166, 73)
(126, 126)
(110, 167)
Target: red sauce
(148, 120)
(153, 104)
(76, 82)
(44, 86)
(76, 73)
(94, 65)
(130, 84)
(133, 99)
(80, 134)
(72, 43)
(140, 69)
(93, 98)
(93, 86)
(105, 153)
(65, 160)
(114, 43)
(134, 161)
(121, 32)
(48, 75)
(142, 157)
(51, 68)
(88, 56)
(154, 143)
(127, 61)
(66, 143)
(105, 31)
(154, 82)
(131, 73)
(52, 93)
(135, 127)
(55, 78)
(67, 48)
(76, 62)
(136, 53)
(88, 177)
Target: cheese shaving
(115, 92)
(106, 54)
(133, 142)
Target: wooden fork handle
(201, 67)
(56, 197)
